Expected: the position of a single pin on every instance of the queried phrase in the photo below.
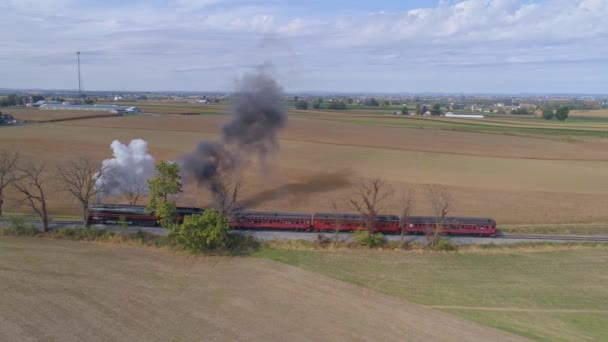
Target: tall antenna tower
(79, 80)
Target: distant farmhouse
(122, 110)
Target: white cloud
(139, 46)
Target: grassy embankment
(552, 293)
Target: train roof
(453, 219)
(267, 214)
(353, 217)
(137, 208)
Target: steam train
(318, 222)
(135, 215)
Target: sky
(471, 46)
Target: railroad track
(585, 238)
(519, 237)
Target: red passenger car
(475, 226)
(350, 222)
(270, 220)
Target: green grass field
(548, 294)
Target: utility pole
(79, 82)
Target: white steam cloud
(130, 168)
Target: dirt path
(70, 291)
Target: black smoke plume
(257, 115)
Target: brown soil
(41, 115)
(70, 291)
(351, 134)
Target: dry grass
(550, 293)
(77, 291)
(39, 116)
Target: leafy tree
(349, 100)
(337, 104)
(520, 111)
(166, 183)
(316, 105)
(371, 102)
(37, 98)
(295, 99)
(418, 109)
(10, 100)
(301, 104)
(548, 114)
(202, 232)
(562, 113)
(404, 110)
(387, 103)
(436, 110)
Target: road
(346, 237)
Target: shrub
(123, 225)
(323, 241)
(19, 227)
(301, 104)
(241, 244)
(199, 233)
(365, 238)
(444, 245)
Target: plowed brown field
(512, 178)
(41, 115)
(53, 290)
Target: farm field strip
(471, 127)
(78, 291)
(486, 122)
(40, 116)
(559, 288)
(423, 166)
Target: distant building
(463, 116)
(102, 108)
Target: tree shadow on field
(316, 184)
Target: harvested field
(71, 291)
(517, 180)
(184, 108)
(359, 135)
(37, 115)
(545, 293)
(600, 113)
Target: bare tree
(407, 203)
(441, 202)
(134, 190)
(367, 200)
(226, 194)
(79, 177)
(8, 164)
(33, 183)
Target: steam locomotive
(318, 222)
(135, 215)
